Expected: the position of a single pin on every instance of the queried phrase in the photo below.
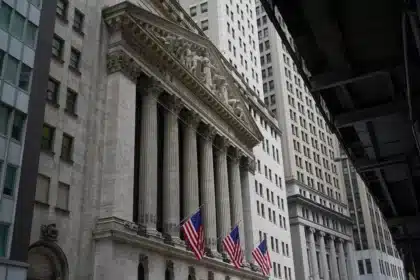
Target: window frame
(78, 54)
(80, 22)
(68, 154)
(51, 140)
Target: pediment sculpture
(198, 61)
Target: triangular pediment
(202, 59)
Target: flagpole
(237, 224)
(189, 216)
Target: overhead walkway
(363, 57)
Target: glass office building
(21, 88)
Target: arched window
(46, 262)
(140, 272)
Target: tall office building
(376, 255)
(231, 25)
(145, 124)
(26, 30)
(270, 216)
(319, 219)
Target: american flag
(194, 233)
(262, 257)
(232, 245)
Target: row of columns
(341, 270)
(223, 182)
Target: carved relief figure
(221, 86)
(237, 110)
(207, 68)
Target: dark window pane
(5, 15)
(30, 35)
(71, 101)
(4, 232)
(57, 47)
(4, 119)
(9, 181)
(47, 137)
(52, 91)
(74, 59)
(62, 8)
(67, 147)
(11, 69)
(18, 23)
(25, 77)
(18, 123)
(78, 20)
(2, 55)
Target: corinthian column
(333, 259)
(190, 164)
(323, 256)
(222, 192)
(148, 157)
(236, 194)
(249, 166)
(342, 259)
(171, 174)
(315, 270)
(208, 191)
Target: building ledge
(8, 262)
(126, 232)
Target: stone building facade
(159, 129)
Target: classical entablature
(181, 54)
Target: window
(193, 11)
(18, 23)
(25, 77)
(67, 147)
(5, 16)
(205, 25)
(204, 7)
(63, 196)
(11, 69)
(61, 9)
(2, 55)
(4, 118)
(71, 102)
(18, 123)
(57, 47)
(74, 59)
(78, 21)
(361, 267)
(30, 35)
(4, 232)
(47, 141)
(368, 266)
(42, 188)
(52, 91)
(9, 181)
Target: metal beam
(369, 114)
(364, 165)
(403, 220)
(379, 173)
(335, 79)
